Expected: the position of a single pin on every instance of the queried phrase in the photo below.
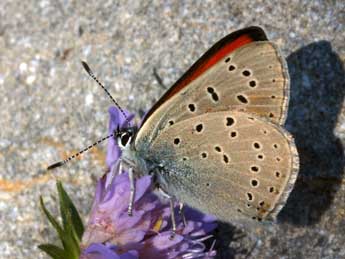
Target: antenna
(89, 71)
(91, 74)
(60, 163)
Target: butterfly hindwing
(227, 163)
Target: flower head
(112, 233)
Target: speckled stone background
(49, 107)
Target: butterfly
(215, 140)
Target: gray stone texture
(50, 108)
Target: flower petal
(163, 241)
(99, 251)
(116, 120)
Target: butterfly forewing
(217, 52)
(253, 79)
(227, 163)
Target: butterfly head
(124, 137)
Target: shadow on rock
(225, 235)
(317, 93)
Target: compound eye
(125, 138)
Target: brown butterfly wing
(230, 164)
(252, 79)
(217, 52)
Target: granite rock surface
(50, 108)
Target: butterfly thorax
(141, 163)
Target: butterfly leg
(114, 170)
(132, 191)
(120, 167)
(181, 212)
(173, 220)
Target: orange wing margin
(218, 51)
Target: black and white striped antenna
(60, 163)
(91, 74)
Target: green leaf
(65, 239)
(53, 251)
(69, 213)
(55, 224)
(72, 228)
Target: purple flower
(116, 120)
(100, 251)
(111, 233)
